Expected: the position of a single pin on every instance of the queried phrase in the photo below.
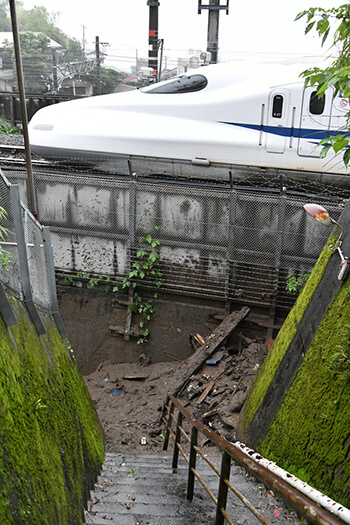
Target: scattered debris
(129, 403)
(136, 377)
(215, 341)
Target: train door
(340, 107)
(314, 122)
(276, 122)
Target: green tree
(36, 27)
(109, 79)
(332, 24)
(39, 19)
(5, 22)
(36, 60)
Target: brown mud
(129, 396)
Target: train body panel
(234, 114)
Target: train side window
(277, 106)
(317, 105)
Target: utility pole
(84, 27)
(153, 35)
(98, 64)
(214, 8)
(54, 71)
(22, 96)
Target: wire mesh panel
(216, 241)
(303, 237)
(38, 271)
(10, 273)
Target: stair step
(144, 489)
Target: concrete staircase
(143, 489)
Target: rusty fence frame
(303, 505)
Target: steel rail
(302, 504)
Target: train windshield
(183, 84)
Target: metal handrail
(303, 505)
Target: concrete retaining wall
(51, 442)
(297, 413)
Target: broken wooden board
(199, 357)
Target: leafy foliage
(337, 75)
(145, 267)
(5, 24)
(6, 128)
(4, 233)
(295, 284)
(108, 80)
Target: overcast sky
(253, 28)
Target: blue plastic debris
(213, 360)
(117, 392)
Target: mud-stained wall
(297, 413)
(211, 236)
(51, 442)
(88, 314)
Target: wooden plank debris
(199, 357)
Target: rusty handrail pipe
(301, 503)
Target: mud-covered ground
(129, 396)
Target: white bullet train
(226, 115)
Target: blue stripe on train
(303, 133)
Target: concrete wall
(51, 442)
(297, 413)
(88, 313)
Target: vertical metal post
(231, 278)
(23, 261)
(153, 35)
(177, 440)
(213, 31)
(98, 64)
(54, 71)
(22, 97)
(222, 494)
(132, 212)
(168, 424)
(6, 310)
(282, 202)
(214, 8)
(161, 45)
(51, 278)
(192, 464)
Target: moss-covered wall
(51, 441)
(310, 435)
(298, 411)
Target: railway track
(12, 157)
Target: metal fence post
(192, 463)
(168, 424)
(5, 309)
(231, 278)
(50, 265)
(282, 202)
(23, 261)
(132, 212)
(177, 440)
(222, 494)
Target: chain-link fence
(26, 271)
(215, 241)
